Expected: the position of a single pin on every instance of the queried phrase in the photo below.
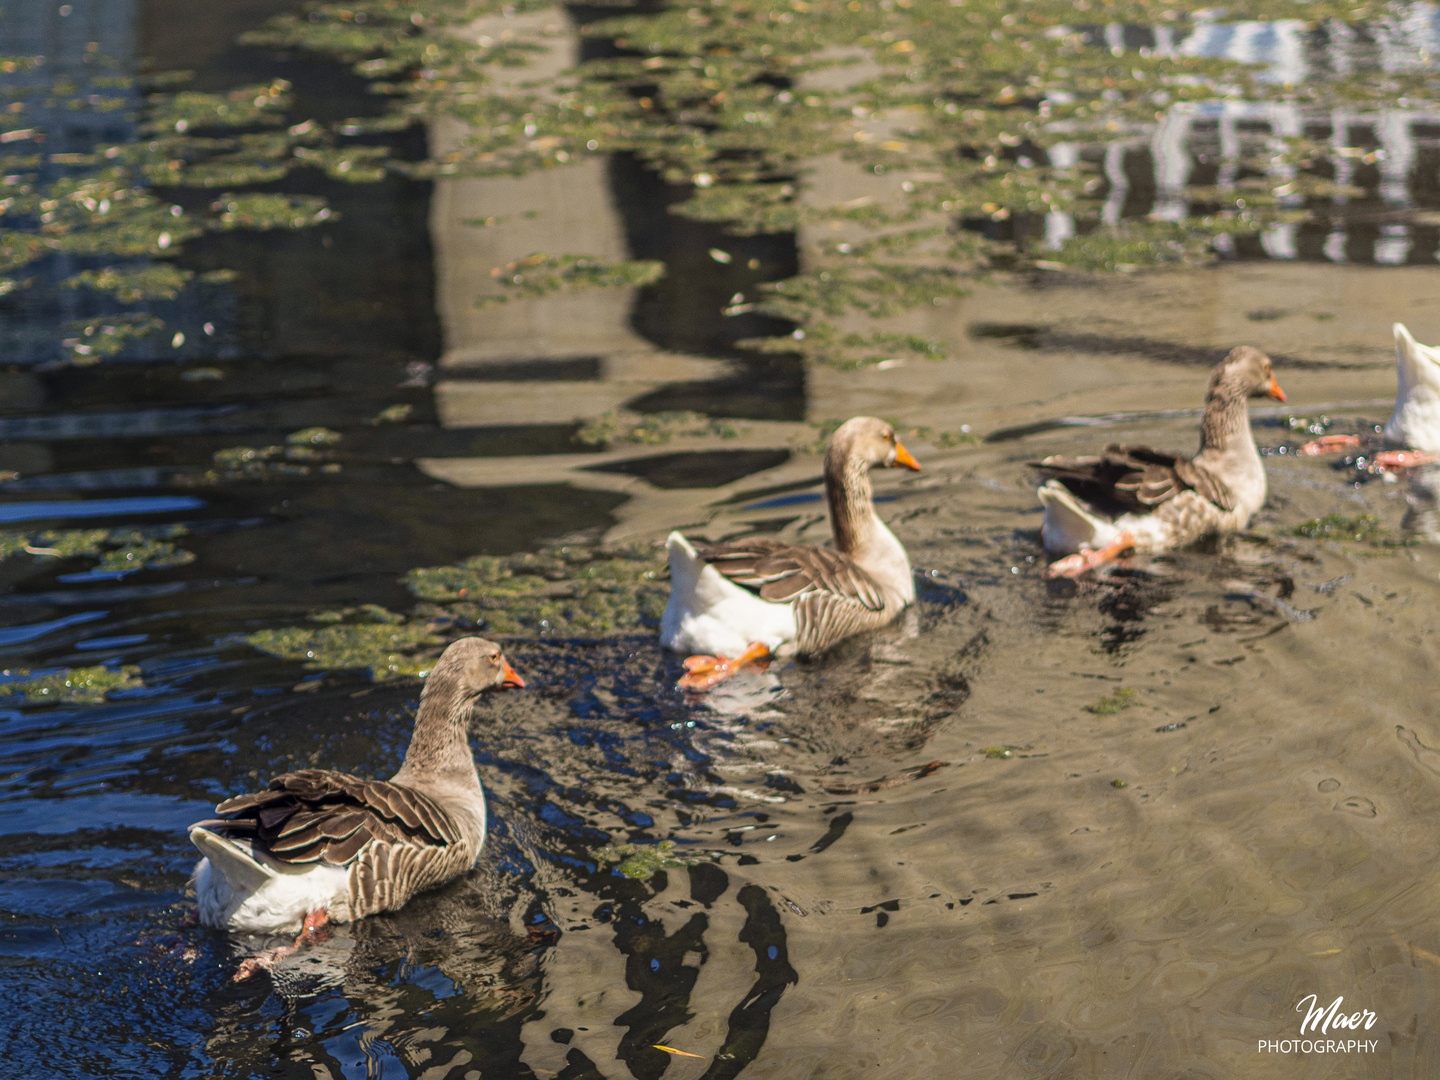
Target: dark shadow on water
(702, 469)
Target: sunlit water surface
(1035, 829)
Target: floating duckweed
(724, 99)
(90, 341)
(261, 462)
(131, 284)
(395, 414)
(823, 343)
(1113, 703)
(541, 274)
(388, 649)
(640, 862)
(84, 686)
(119, 550)
(653, 429)
(570, 591)
(313, 436)
(1361, 528)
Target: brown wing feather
(315, 814)
(779, 571)
(1134, 478)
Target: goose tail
(230, 859)
(1416, 420)
(1070, 525)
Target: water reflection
(912, 852)
(1388, 152)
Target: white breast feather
(709, 614)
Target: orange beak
(1274, 390)
(512, 677)
(904, 457)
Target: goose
(1415, 423)
(1133, 497)
(319, 846)
(735, 603)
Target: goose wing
(833, 596)
(780, 572)
(316, 815)
(1135, 478)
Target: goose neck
(1226, 422)
(440, 746)
(852, 511)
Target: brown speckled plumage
(834, 594)
(1170, 500)
(397, 837)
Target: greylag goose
(320, 846)
(1134, 497)
(736, 603)
(1415, 423)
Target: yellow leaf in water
(672, 1050)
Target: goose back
(1124, 479)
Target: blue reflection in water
(148, 504)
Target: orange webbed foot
(313, 931)
(1396, 460)
(1329, 444)
(703, 672)
(1072, 566)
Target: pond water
(1119, 827)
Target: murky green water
(384, 383)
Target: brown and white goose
(320, 846)
(735, 603)
(1134, 497)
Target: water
(1114, 828)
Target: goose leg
(1072, 566)
(1329, 444)
(1395, 460)
(1384, 461)
(703, 672)
(311, 933)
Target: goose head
(1416, 422)
(473, 666)
(870, 444)
(1246, 373)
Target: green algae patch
(619, 428)
(541, 274)
(568, 591)
(640, 862)
(303, 451)
(959, 103)
(118, 550)
(1360, 529)
(1114, 703)
(69, 686)
(389, 648)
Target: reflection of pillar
(556, 210)
(1393, 245)
(1171, 155)
(563, 210)
(1060, 226)
(510, 349)
(1119, 183)
(1229, 151)
(1398, 143)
